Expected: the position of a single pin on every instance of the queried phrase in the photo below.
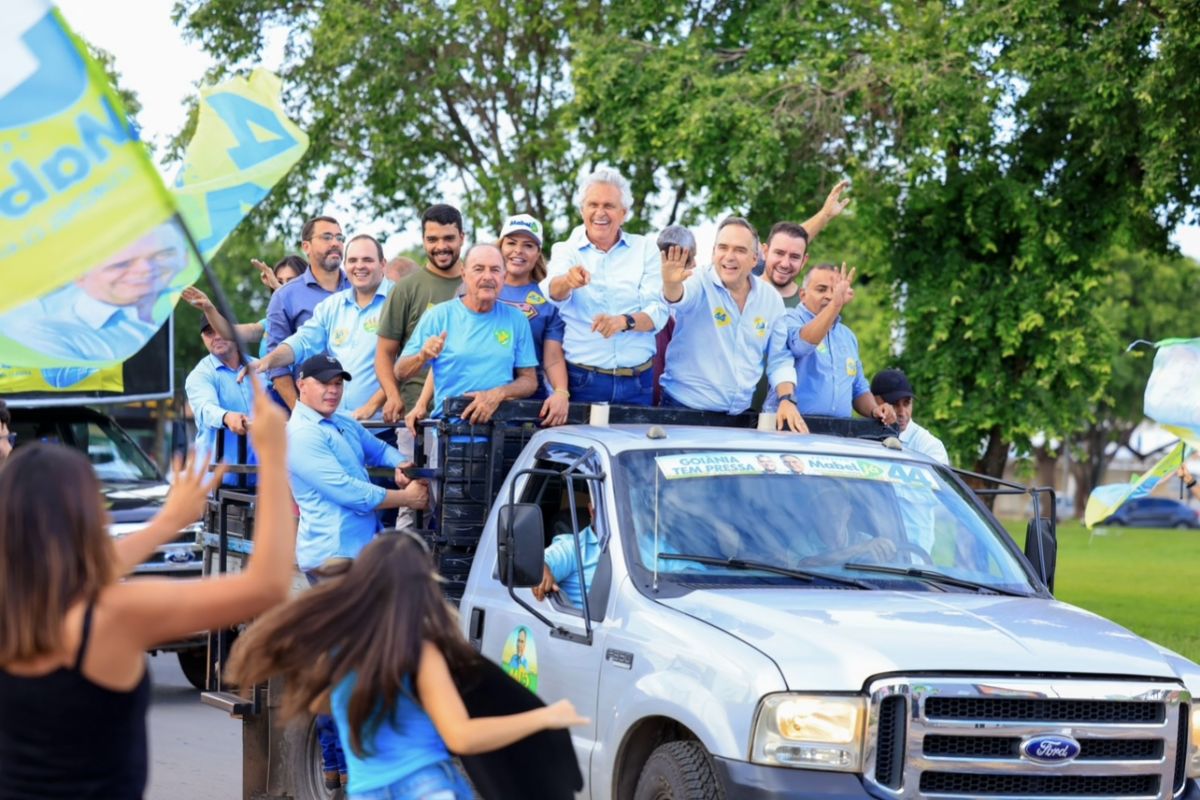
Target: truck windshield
(113, 454)
(825, 514)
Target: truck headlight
(814, 731)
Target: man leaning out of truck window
(561, 570)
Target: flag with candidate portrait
(93, 248)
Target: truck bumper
(747, 781)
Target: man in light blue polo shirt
(344, 325)
(607, 285)
(474, 343)
(220, 402)
(727, 321)
(830, 380)
(328, 456)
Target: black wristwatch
(630, 322)
(1191, 484)
(791, 398)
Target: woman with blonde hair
(74, 690)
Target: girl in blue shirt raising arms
(377, 645)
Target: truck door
(557, 662)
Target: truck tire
(303, 762)
(194, 663)
(678, 771)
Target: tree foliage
(400, 99)
(1000, 150)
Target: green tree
(399, 99)
(998, 149)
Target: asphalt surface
(195, 750)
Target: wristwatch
(630, 322)
(791, 398)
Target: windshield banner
(718, 463)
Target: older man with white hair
(607, 285)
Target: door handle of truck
(475, 629)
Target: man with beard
(829, 370)
(442, 236)
(475, 344)
(291, 306)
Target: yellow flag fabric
(244, 143)
(76, 185)
(1105, 500)
(78, 194)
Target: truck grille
(963, 738)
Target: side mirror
(1041, 548)
(521, 545)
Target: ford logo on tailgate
(1050, 749)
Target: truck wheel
(678, 771)
(303, 759)
(194, 664)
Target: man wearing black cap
(328, 455)
(892, 386)
(220, 403)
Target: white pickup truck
(772, 615)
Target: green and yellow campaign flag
(244, 143)
(1172, 396)
(93, 248)
(1105, 500)
(76, 185)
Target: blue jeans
(332, 757)
(596, 387)
(440, 781)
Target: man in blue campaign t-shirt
(475, 344)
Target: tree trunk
(993, 461)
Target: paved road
(195, 751)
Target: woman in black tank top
(74, 691)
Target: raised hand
(266, 274)
(675, 261)
(190, 488)
(197, 299)
(834, 203)
(843, 285)
(268, 434)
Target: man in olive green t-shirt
(437, 282)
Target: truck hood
(133, 503)
(835, 640)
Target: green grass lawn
(1146, 580)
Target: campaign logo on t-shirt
(525, 308)
(371, 324)
(721, 316)
(760, 327)
(339, 337)
(534, 298)
(504, 337)
(851, 367)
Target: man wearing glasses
(322, 241)
(7, 440)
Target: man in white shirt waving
(892, 386)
